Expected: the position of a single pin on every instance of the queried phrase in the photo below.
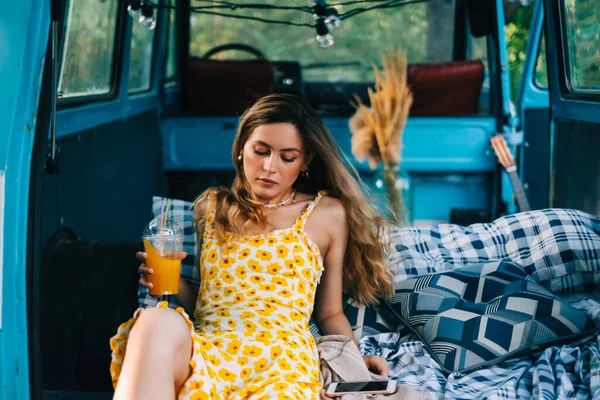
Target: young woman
(292, 232)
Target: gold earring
(304, 174)
(240, 157)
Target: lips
(267, 181)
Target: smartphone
(338, 389)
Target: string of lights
(326, 17)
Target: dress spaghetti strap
(299, 225)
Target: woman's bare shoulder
(330, 212)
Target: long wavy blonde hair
(366, 275)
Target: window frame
(167, 80)
(118, 47)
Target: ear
(307, 161)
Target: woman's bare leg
(157, 357)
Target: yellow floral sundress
(251, 337)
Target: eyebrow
(267, 145)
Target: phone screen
(361, 386)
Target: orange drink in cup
(163, 239)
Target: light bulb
(332, 19)
(149, 23)
(135, 9)
(147, 14)
(325, 40)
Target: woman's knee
(161, 326)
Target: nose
(269, 165)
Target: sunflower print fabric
(250, 338)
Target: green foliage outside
(583, 41)
(88, 48)
(517, 35)
(423, 30)
(140, 67)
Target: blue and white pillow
(559, 248)
(478, 315)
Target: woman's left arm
(328, 313)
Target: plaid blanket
(559, 248)
(561, 372)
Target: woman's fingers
(377, 364)
(144, 271)
(144, 283)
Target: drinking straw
(164, 222)
(162, 219)
(162, 212)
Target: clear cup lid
(166, 228)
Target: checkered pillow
(560, 248)
(478, 315)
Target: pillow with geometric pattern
(479, 315)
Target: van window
(583, 42)
(423, 30)
(88, 52)
(171, 71)
(541, 71)
(140, 68)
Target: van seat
(450, 88)
(216, 87)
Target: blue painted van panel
(24, 27)
(429, 144)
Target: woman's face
(273, 157)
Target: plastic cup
(162, 241)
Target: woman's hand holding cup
(144, 271)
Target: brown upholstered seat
(215, 87)
(450, 88)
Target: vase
(393, 195)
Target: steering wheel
(235, 46)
